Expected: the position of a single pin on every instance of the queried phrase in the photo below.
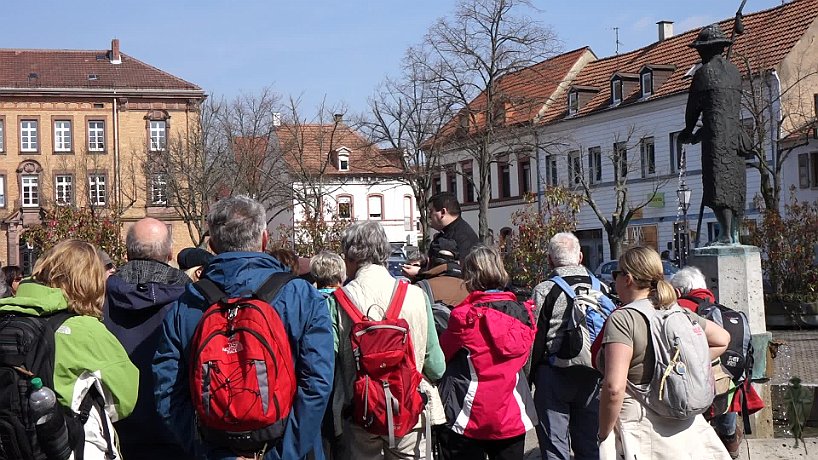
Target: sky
(315, 50)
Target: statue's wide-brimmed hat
(710, 36)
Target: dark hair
(287, 257)
(10, 272)
(445, 200)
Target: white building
(633, 105)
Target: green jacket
(84, 351)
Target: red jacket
(484, 391)
(699, 294)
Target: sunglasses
(616, 273)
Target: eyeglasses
(616, 273)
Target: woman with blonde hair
(91, 374)
(487, 401)
(627, 360)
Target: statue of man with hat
(715, 95)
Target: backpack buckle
(231, 313)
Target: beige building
(76, 128)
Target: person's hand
(410, 271)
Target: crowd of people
(477, 368)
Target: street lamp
(683, 195)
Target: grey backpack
(682, 385)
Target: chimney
(339, 117)
(665, 30)
(276, 119)
(115, 56)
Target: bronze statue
(715, 94)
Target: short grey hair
(236, 224)
(483, 269)
(148, 249)
(688, 279)
(365, 242)
(564, 249)
(328, 269)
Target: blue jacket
(133, 312)
(306, 318)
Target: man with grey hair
(566, 397)
(370, 289)
(238, 236)
(137, 298)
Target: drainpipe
(118, 188)
(775, 116)
(539, 177)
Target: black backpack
(27, 351)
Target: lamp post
(683, 237)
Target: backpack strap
(427, 288)
(595, 284)
(566, 288)
(91, 400)
(396, 303)
(43, 359)
(269, 289)
(346, 303)
(211, 291)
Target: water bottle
(49, 420)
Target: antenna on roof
(616, 31)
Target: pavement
(797, 356)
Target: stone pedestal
(733, 273)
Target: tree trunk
(615, 239)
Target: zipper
(382, 326)
(366, 401)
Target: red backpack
(386, 399)
(242, 377)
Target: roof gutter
(155, 92)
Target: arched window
(344, 206)
(375, 207)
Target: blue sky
(313, 49)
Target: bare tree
(775, 111)
(468, 56)
(408, 115)
(624, 166)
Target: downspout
(540, 191)
(775, 116)
(117, 173)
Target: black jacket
(461, 233)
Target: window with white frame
(808, 170)
(573, 102)
(504, 173)
(96, 135)
(451, 177)
(647, 83)
(345, 207)
(28, 136)
(524, 180)
(648, 157)
(595, 165)
(343, 160)
(408, 212)
(675, 152)
(30, 190)
(2, 191)
(159, 189)
(551, 173)
(616, 91)
(158, 135)
(63, 189)
(2, 135)
(96, 190)
(62, 136)
(574, 167)
(375, 203)
(621, 159)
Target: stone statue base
(733, 273)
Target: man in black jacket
(444, 216)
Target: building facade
(76, 128)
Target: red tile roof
(53, 69)
(526, 91)
(312, 149)
(768, 36)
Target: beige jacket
(371, 290)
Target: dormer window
(573, 103)
(647, 83)
(343, 160)
(616, 91)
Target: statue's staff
(738, 29)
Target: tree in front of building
(99, 227)
(313, 233)
(526, 251)
(467, 56)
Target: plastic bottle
(49, 420)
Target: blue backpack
(586, 314)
